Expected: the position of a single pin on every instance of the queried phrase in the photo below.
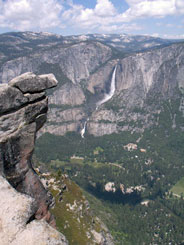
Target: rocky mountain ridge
(83, 65)
(14, 44)
(143, 81)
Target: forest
(148, 214)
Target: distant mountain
(124, 42)
(16, 44)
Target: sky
(162, 18)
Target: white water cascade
(105, 99)
(84, 129)
(112, 89)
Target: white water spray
(105, 99)
(112, 89)
(84, 129)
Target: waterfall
(105, 99)
(84, 129)
(112, 89)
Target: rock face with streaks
(147, 75)
(24, 211)
(76, 61)
(144, 82)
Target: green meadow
(178, 188)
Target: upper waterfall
(107, 97)
(112, 89)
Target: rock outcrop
(24, 214)
(16, 227)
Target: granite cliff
(143, 83)
(24, 214)
(147, 68)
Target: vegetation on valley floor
(159, 220)
(178, 189)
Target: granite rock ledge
(24, 213)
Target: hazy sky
(163, 18)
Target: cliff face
(23, 109)
(144, 82)
(84, 66)
(76, 61)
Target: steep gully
(106, 98)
